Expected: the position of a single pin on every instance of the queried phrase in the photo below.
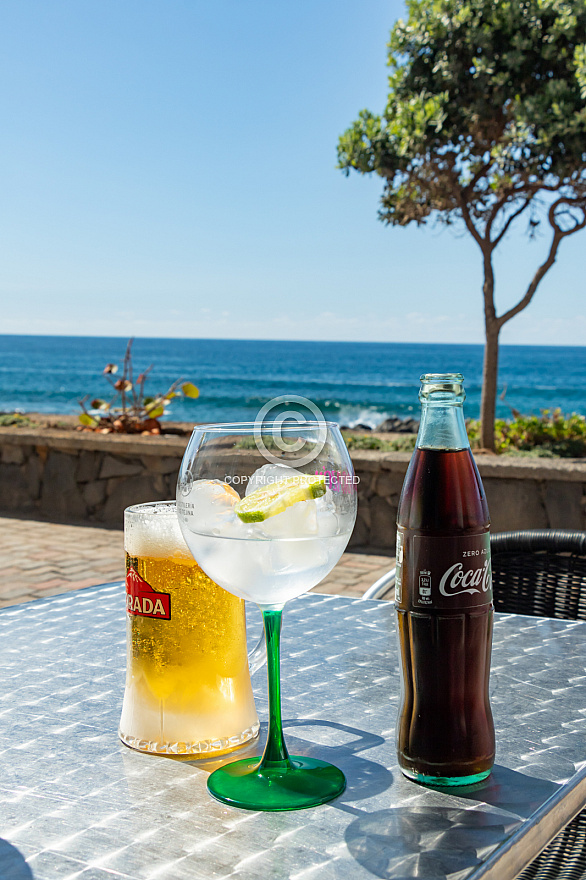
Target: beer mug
(188, 688)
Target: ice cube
(297, 521)
(299, 556)
(301, 520)
(269, 474)
(326, 502)
(233, 527)
(208, 507)
(236, 565)
(328, 523)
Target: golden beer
(188, 687)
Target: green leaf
(156, 412)
(190, 390)
(86, 419)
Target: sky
(168, 169)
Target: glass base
(445, 781)
(207, 748)
(305, 782)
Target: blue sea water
(351, 382)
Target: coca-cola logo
(456, 581)
(143, 601)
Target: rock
(94, 493)
(389, 426)
(155, 464)
(14, 494)
(13, 455)
(360, 535)
(88, 466)
(60, 495)
(132, 490)
(34, 474)
(359, 427)
(389, 485)
(113, 466)
(170, 482)
(515, 504)
(563, 504)
(395, 425)
(383, 529)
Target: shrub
(14, 419)
(130, 411)
(366, 441)
(549, 434)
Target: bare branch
(558, 235)
(496, 241)
(526, 299)
(464, 207)
(557, 210)
(493, 213)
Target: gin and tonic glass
(267, 510)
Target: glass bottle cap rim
(442, 388)
(442, 377)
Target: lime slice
(277, 497)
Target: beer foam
(157, 535)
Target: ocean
(351, 382)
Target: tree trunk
(489, 384)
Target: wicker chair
(542, 574)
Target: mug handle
(257, 656)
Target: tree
(485, 123)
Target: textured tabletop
(76, 803)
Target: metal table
(76, 803)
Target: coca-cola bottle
(443, 597)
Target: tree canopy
(485, 121)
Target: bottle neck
(442, 426)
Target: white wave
(350, 416)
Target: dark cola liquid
(445, 731)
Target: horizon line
(300, 341)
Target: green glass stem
(278, 782)
(275, 754)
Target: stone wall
(64, 475)
(522, 493)
(84, 477)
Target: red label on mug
(143, 601)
